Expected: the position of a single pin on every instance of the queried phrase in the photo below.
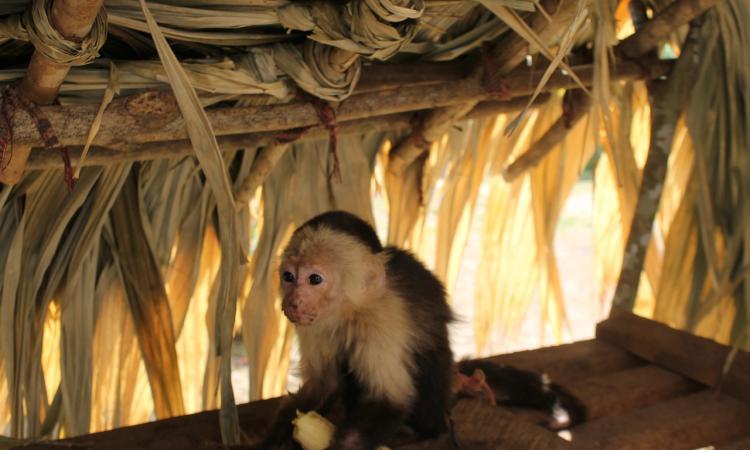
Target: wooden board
(693, 421)
(617, 393)
(695, 357)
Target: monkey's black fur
(427, 303)
(347, 223)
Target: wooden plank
(572, 362)
(697, 358)
(73, 20)
(693, 421)
(617, 393)
(480, 426)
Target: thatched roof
(143, 207)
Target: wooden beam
(695, 357)
(693, 421)
(678, 13)
(73, 20)
(153, 116)
(42, 159)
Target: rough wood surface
(153, 116)
(676, 14)
(480, 426)
(695, 357)
(73, 19)
(42, 159)
(693, 421)
(616, 393)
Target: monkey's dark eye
(287, 276)
(315, 279)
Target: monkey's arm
(369, 424)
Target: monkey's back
(426, 300)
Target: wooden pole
(676, 14)
(73, 20)
(669, 100)
(153, 116)
(261, 168)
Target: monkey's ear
(375, 273)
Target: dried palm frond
(211, 161)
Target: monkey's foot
(473, 386)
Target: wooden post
(73, 19)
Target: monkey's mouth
(297, 316)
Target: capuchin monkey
(372, 326)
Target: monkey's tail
(517, 387)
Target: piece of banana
(314, 432)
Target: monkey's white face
(305, 289)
